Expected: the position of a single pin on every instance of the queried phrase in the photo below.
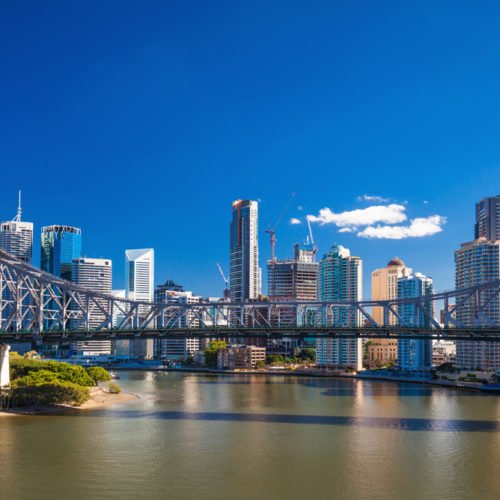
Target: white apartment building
(95, 275)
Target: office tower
(340, 278)
(385, 287)
(296, 279)
(245, 273)
(60, 245)
(415, 354)
(94, 275)
(176, 349)
(488, 219)
(477, 262)
(16, 237)
(139, 283)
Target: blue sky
(140, 122)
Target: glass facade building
(245, 273)
(415, 354)
(60, 245)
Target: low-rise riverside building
(240, 358)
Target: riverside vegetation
(37, 383)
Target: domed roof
(395, 262)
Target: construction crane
(226, 281)
(272, 230)
(315, 248)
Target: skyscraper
(245, 273)
(16, 237)
(294, 279)
(385, 287)
(60, 245)
(415, 354)
(477, 262)
(95, 275)
(488, 219)
(340, 278)
(139, 284)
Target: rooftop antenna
(17, 218)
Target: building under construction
(296, 279)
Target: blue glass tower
(60, 245)
(415, 354)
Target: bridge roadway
(235, 333)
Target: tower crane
(226, 281)
(315, 248)
(271, 231)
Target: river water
(256, 437)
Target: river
(257, 437)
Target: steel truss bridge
(38, 307)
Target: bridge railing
(33, 300)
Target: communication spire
(17, 218)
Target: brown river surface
(256, 437)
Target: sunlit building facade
(478, 262)
(340, 278)
(60, 245)
(245, 273)
(415, 355)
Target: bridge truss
(37, 305)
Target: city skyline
(119, 278)
(108, 129)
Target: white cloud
(294, 220)
(421, 226)
(376, 199)
(425, 202)
(388, 214)
(300, 207)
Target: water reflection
(408, 424)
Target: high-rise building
(340, 278)
(295, 279)
(245, 273)
(171, 293)
(139, 283)
(385, 287)
(60, 245)
(415, 354)
(488, 219)
(16, 237)
(95, 275)
(477, 262)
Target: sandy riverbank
(98, 399)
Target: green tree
(98, 374)
(260, 364)
(274, 359)
(114, 388)
(307, 354)
(211, 352)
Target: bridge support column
(4, 365)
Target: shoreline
(489, 389)
(99, 398)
